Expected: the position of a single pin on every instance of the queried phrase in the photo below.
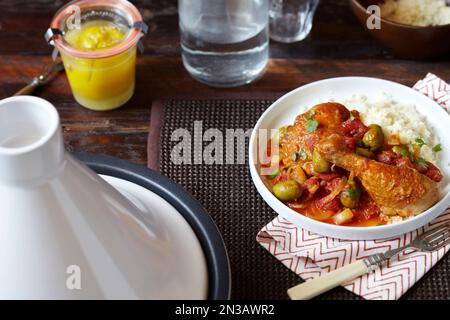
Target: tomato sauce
(367, 213)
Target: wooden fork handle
(28, 89)
(319, 285)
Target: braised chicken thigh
(398, 190)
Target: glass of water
(224, 43)
(291, 20)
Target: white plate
(283, 112)
(188, 250)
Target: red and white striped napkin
(311, 255)
(435, 88)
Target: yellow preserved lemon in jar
(99, 54)
(104, 83)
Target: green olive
(320, 164)
(364, 152)
(374, 138)
(287, 190)
(350, 196)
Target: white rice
(416, 12)
(396, 118)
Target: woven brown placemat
(228, 194)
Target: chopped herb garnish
(412, 151)
(294, 156)
(311, 125)
(360, 144)
(274, 174)
(405, 153)
(360, 153)
(402, 151)
(303, 155)
(421, 162)
(420, 142)
(352, 193)
(364, 153)
(311, 114)
(437, 148)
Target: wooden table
(337, 46)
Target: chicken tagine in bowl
(332, 167)
(342, 168)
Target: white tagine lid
(66, 233)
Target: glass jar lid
(74, 14)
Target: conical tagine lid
(67, 234)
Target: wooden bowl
(406, 41)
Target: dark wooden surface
(337, 46)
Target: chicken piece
(329, 117)
(397, 190)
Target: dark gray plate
(200, 221)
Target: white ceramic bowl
(283, 112)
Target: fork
(433, 239)
(41, 79)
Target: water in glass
(224, 42)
